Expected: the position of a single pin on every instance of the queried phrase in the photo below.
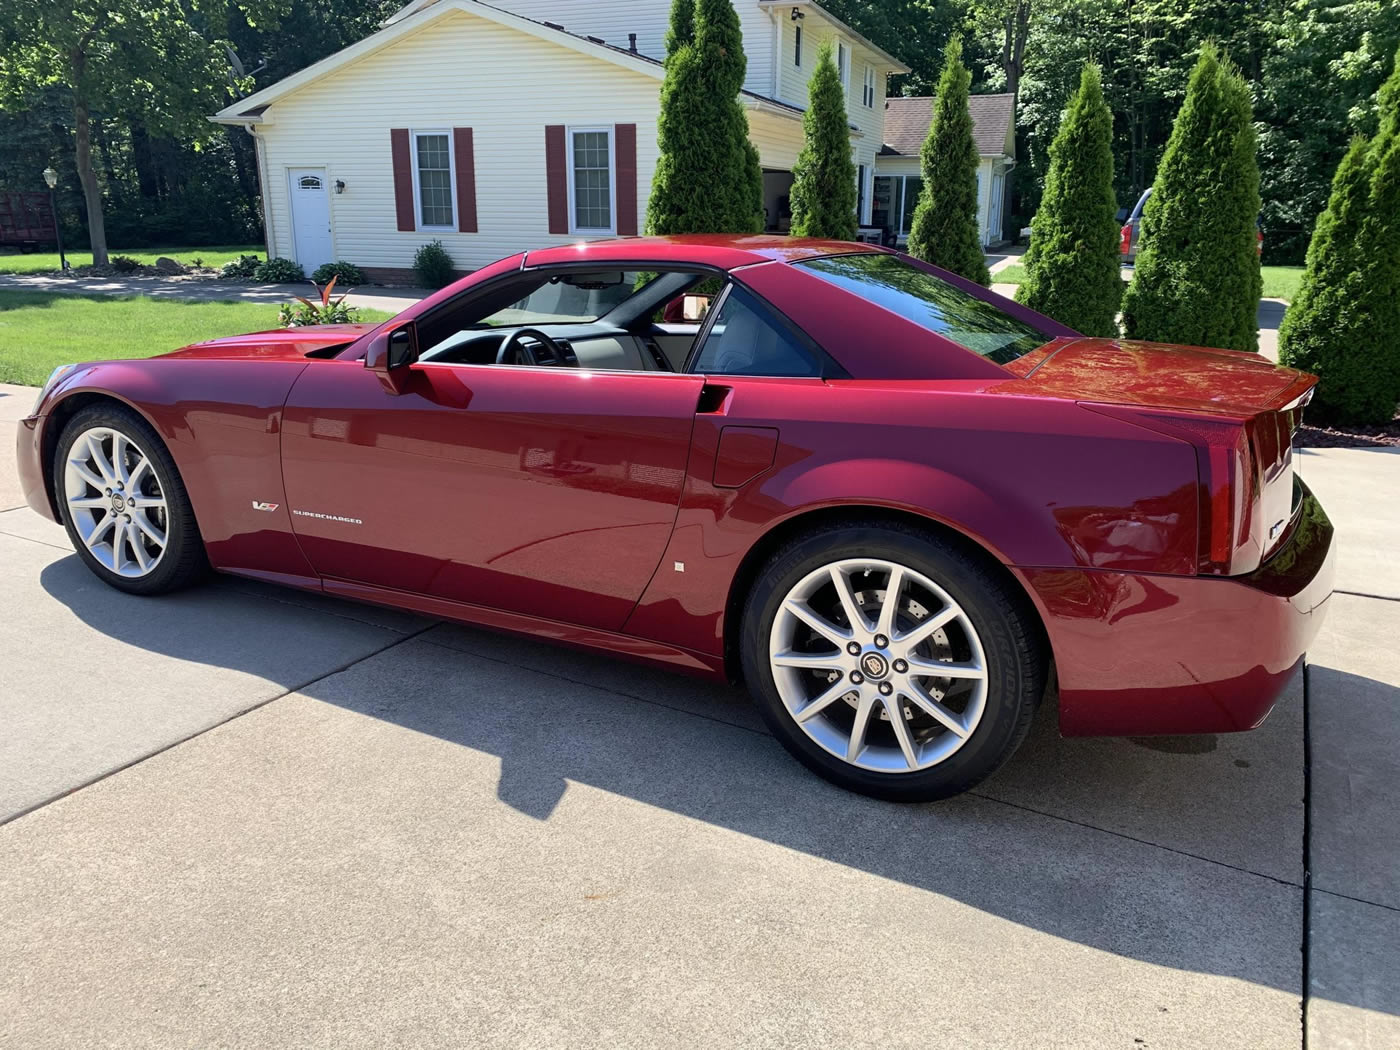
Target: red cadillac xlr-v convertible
(896, 505)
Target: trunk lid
(1239, 410)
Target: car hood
(280, 343)
(1155, 375)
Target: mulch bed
(1384, 436)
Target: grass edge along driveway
(39, 331)
(214, 255)
(1280, 282)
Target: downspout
(268, 239)
(777, 50)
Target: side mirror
(390, 353)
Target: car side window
(747, 340)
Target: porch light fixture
(50, 177)
(339, 185)
(796, 14)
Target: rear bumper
(1141, 655)
(30, 458)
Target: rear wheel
(124, 506)
(891, 661)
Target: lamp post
(51, 177)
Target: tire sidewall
(1013, 687)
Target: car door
(545, 491)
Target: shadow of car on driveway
(1105, 843)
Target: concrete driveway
(243, 816)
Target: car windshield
(932, 303)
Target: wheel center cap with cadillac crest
(874, 665)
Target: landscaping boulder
(169, 266)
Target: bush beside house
(1197, 277)
(433, 266)
(1072, 263)
(823, 191)
(944, 229)
(1344, 325)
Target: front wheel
(124, 505)
(890, 661)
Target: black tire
(183, 561)
(1010, 633)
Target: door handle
(714, 399)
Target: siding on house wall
(778, 138)
(459, 71)
(612, 20)
(792, 87)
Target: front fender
(221, 423)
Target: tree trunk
(1013, 53)
(92, 195)
(143, 160)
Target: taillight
(1125, 239)
(1228, 483)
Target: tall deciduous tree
(944, 229)
(1344, 324)
(824, 178)
(162, 58)
(707, 179)
(1197, 275)
(1072, 264)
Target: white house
(522, 123)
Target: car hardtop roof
(723, 251)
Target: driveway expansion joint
(222, 722)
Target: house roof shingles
(907, 121)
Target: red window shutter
(465, 161)
(625, 154)
(403, 178)
(555, 161)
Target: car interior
(617, 319)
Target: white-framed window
(797, 46)
(592, 188)
(843, 63)
(867, 94)
(434, 181)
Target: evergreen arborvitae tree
(824, 178)
(708, 179)
(944, 230)
(1072, 263)
(1197, 276)
(1344, 325)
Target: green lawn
(39, 331)
(214, 255)
(1280, 282)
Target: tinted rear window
(932, 303)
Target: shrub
(824, 178)
(1072, 264)
(1343, 323)
(707, 179)
(433, 265)
(944, 229)
(348, 273)
(1197, 275)
(304, 312)
(278, 271)
(124, 263)
(241, 269)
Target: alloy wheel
(116, 502)
(878, 665)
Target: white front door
(311, 217)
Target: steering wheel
(526, 354)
